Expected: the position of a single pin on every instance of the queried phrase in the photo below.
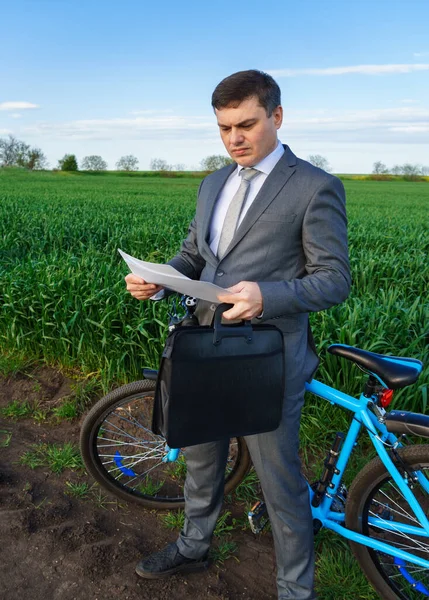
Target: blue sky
(114, 78)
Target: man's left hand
(247, 299)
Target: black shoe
(169, 561)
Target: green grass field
(63, 297)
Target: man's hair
(232, 90)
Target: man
(272, 229)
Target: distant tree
(159, 164)
(34, 159)
(408, 170)
(320, 161)
(425, 170)
(379, 168)
(128, 163)
(12, 151)
(68, 163)
(179, 167)
(93, 163)
(411, 170)
(15, 153)
(215, 161)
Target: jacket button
(213, 307)
(220, 273)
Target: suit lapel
(212, 190)
(274, 183)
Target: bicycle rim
(127, 458)
(381, 499)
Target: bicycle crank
(258, 517)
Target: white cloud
(420, 54)
(5, 132)
(156, 127)
(151, 111)
(403, 124)
(408, 101)
(359, 69)
(411, 128)
(408, 124)
(362, 117)
(15, 115)
(17, 105)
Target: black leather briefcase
(219, 382)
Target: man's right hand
(139, 288)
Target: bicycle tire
(122, 471)
(374, 493)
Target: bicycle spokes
(390, 519)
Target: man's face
(248, 134)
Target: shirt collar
(267, 164)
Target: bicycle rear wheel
(124, 456)
(373, 493)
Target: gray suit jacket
(292, 242)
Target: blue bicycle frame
(379, 437)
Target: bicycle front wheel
(124, 456)
(374, 494)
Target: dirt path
(55, 546)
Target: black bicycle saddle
(393, 371)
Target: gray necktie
(234, 210)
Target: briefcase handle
(244, 329)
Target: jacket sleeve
(188, 261)
(324, 239)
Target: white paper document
(168, 277)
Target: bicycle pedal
(258, 517)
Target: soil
(55, 546)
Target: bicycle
(382, 515)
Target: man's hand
(139, 288)
(247, 300)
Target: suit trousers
(277, 463)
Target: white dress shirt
(265, 166)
